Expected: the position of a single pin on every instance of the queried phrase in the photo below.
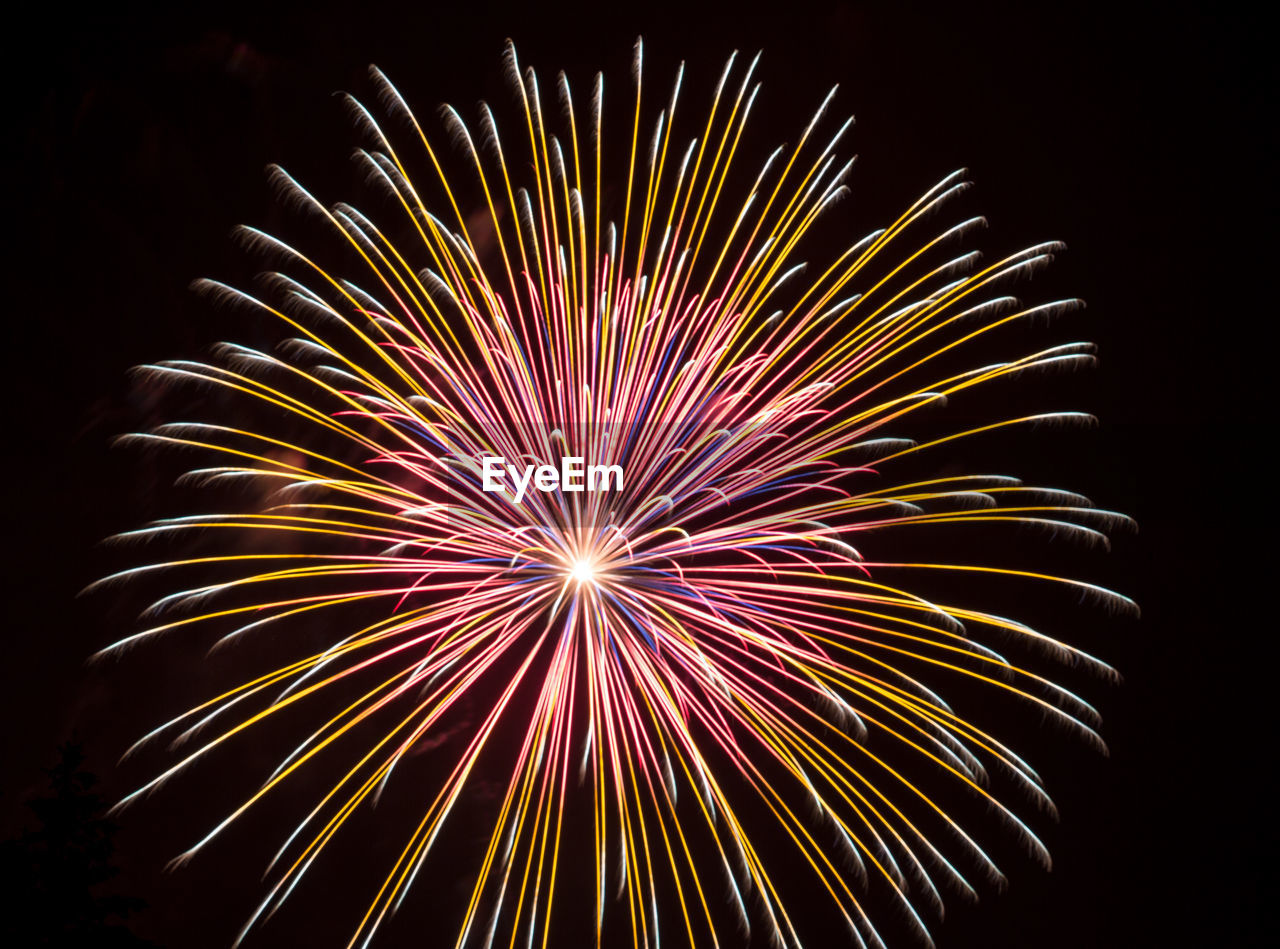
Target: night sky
(138, 140)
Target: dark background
(1143, 139)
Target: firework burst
(599, 456)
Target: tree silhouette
(55, 872)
